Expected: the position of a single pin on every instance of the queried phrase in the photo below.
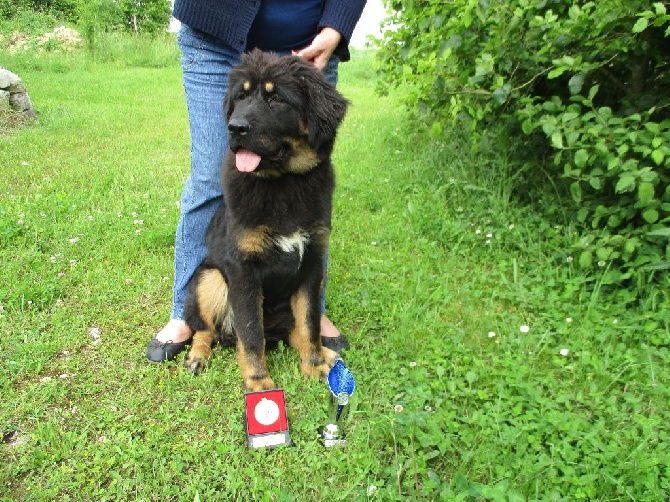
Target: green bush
(590, 80)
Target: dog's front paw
(319, 364)
(256, 384)
(195, 364)
(197, 359)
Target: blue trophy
(342, 385)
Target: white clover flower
(427, 408)
(398, 408)
(412, 364)
(568, 319)
(524, 328)
(569, 259)
(564, 352)
(602, 263)
(371, 490)
(492, 334)
(490, 236)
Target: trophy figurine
(342, 384)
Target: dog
(262, 277)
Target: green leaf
(501, 94)
(581, 158)
(641, 25)
(576, 191)
(576, 83)
(626, 183)
(604, 253)
(657, 156)
(645, 192)
(556, 72)
(557, 139)
(596, 182)
(650, 215)
(662, 232)
(585, 259)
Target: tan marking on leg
(255, 241)
(255, 374)
(212, 294)
(200, 354)
(315, 360)
(269, 86)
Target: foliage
(65, 10)
(591, 79)
(143, 16)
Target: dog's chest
(280, 249)
(293, 244)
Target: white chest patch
(297, 241)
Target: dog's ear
(325, 107)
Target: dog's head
(282, 114)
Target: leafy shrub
(590, 80)
(146, 16)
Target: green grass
(434, 269)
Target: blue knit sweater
(230, 20)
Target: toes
(259, 384)
(194, 364)
(320, 364)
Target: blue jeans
(206, 65)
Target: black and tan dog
(264, 269)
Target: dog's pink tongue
(246, 160)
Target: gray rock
(14, 91)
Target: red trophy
(265, 419)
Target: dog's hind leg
(210, 297)
(315, 360)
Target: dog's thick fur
(264, 269)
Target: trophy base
(270, 440)
(332, 435)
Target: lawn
(480, 376)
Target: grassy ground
(478, 377)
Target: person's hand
(321, 48)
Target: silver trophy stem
(333, 432)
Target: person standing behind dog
(212, 37)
